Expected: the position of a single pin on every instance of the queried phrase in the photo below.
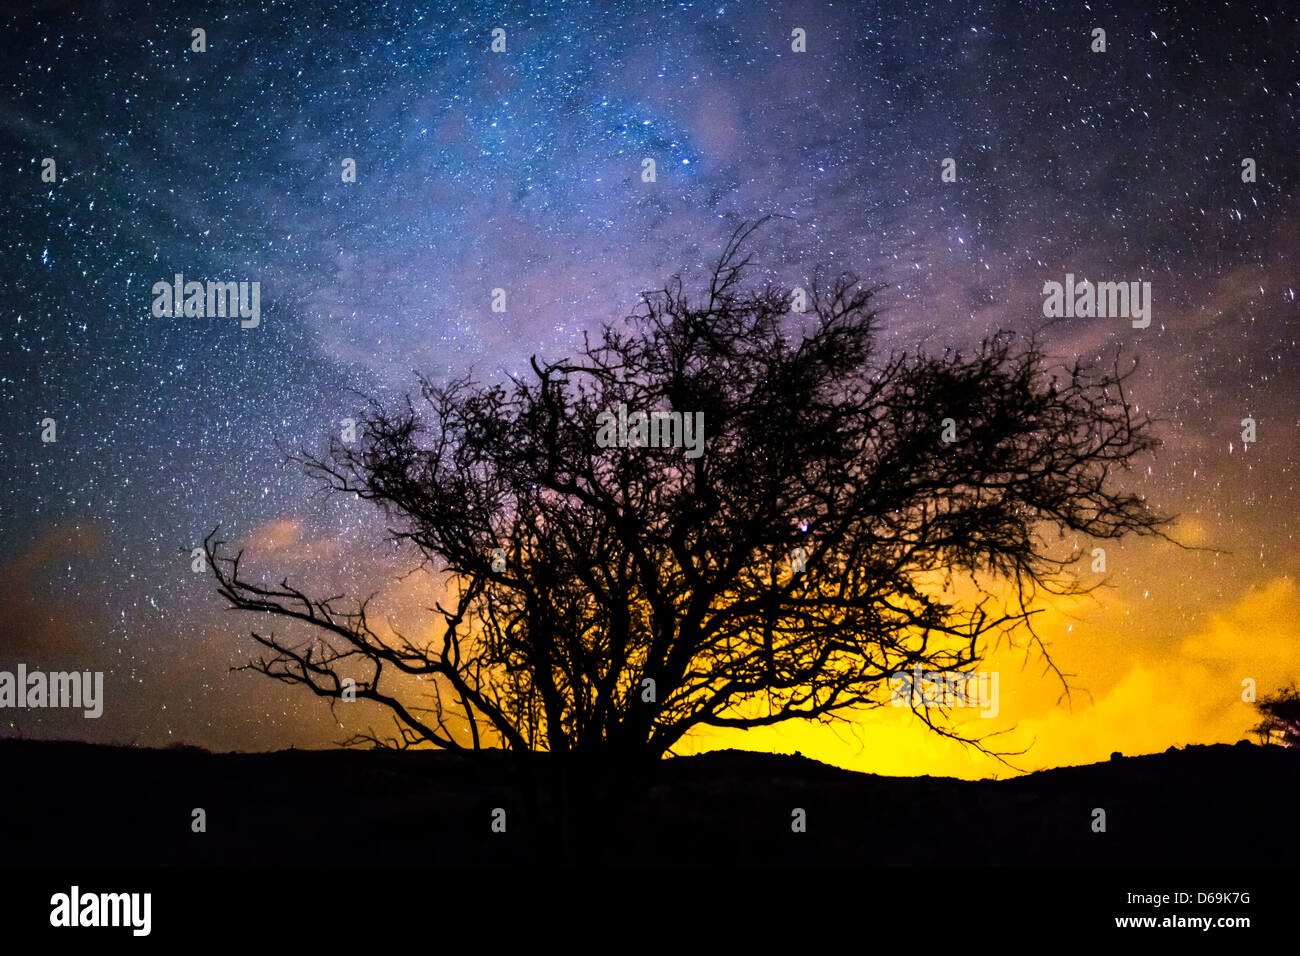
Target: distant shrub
(186, 748)
(1281, 718)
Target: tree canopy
(603, 599)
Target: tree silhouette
(1281, 717)
(854, 514)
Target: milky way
(522, 171)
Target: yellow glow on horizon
(1158, 660)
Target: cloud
(1148, 695)
(284, 539)
(36, 626)
(275, 535)
(1258, 636)
(1191, 695)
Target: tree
(1281, 717)
(853, 515)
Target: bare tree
(854, 514)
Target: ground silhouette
(76, 803)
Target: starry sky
(522, 171)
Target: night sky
(522, 170)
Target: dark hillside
(80, 803)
